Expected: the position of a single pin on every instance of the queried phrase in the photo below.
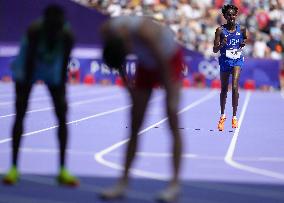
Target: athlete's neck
(231, 26)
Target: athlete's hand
(242, 44)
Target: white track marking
(99, 157)
(282, 93)
(147, 155)
(229, 155)
(201, 157)
(78, 120)
(44, 98)
(82, 102)
(71, 122)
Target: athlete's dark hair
(53, 9)
(114, 52)
(225, 8)
(53, 17)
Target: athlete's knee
(171, 107)
(61, 116)
(133, 137)
(235, 89)
(235, 86)
(61, 106)
(172, 117)
(224, 90)
(20, 113)
(21, 103)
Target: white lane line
(82, 102)
(229, 155)
(44, 98)
(282, 93)
(99, 157)
(71, 122)
(48, 151)
(36, 89)
(78, 120)
(202, 157)
(146, 154)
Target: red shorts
(146, 78)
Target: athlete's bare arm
(32, 37)
(68, 45)
(244, 32)
(217, 43)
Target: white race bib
(233, 53)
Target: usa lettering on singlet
(232, 49)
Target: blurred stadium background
(193, 21)
(259, 152)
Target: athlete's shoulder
(34, 28)
(219, 29)
(33, 31)
(67, 31)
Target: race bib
(233, 53)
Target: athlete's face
(231, 16)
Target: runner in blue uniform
(43, 55)
(230, 38)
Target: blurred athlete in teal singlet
(43, 55)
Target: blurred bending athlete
(159, 61)
(43, 55)
(230, 38)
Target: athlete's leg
(21, 104)
(235, 88)
(22, 96)
(140, 100)
(60, 104)
(224, 77)
(172, 102)
(59, 101)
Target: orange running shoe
(221, 123)
(234, 123)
